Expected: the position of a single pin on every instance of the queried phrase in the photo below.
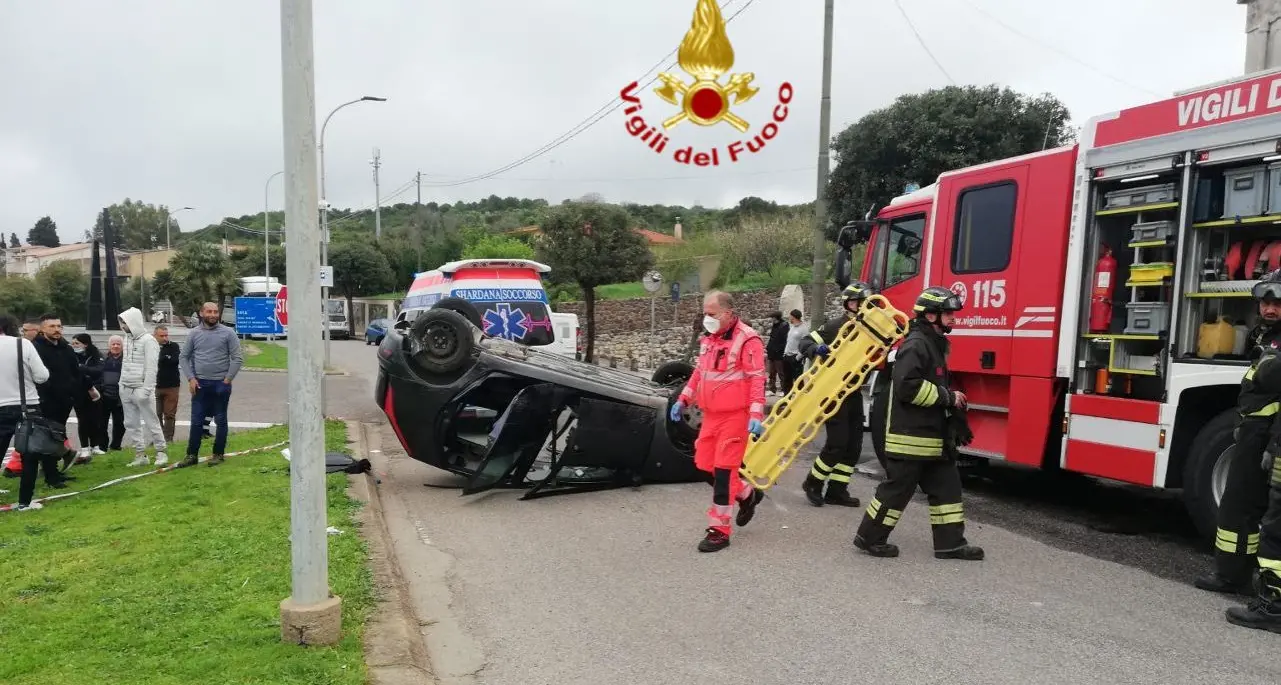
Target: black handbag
(36, 436)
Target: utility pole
(378, 209)
(311, 614)
(818, 299)
(418, 178)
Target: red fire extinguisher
(1101, 299)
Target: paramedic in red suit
(728, 384)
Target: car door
(518, 436)
(978, 213)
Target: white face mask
(711, 323)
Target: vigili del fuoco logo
(706, 55)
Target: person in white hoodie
(138, 388)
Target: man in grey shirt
(209, 361)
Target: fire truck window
(905, 238)
(984, 229)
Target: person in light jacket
(138, 388)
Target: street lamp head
(373, 99)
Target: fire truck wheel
(1205, 472)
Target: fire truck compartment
(1135, 197)
(1244, 188)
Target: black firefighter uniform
(920, 418)
(835, 464)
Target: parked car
(375, 331)
(506, 414)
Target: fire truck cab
(1124, 367)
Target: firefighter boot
(1264, 611)
(965, 553)
(1214, 582)
(813, 488)
(714, 542)
(839, 494)
(880, 549)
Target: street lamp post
(324, 215)
(169, 224)
(266, 236)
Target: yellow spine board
(858, 348)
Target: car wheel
(672, 373)
(1205, 472)
(463, 307)
(442, 340)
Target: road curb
(422, 574)
(331, 372)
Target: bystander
(18, 352)
(113, 412)
(138, 388)
(168, 380)
(211, 358)
(89, 418)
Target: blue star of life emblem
(505, 322)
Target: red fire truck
(1106, 286)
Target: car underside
(507, 415)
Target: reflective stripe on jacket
(730, 373)
(917, 411)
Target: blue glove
(755, 427)
(677, 409)
(821, 351)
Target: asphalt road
(1084, 583)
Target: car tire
(1211, 450)
(462, 307)
(443, 341)
(672, 373)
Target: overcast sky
(179, 102)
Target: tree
(67, 289)
(44, 233)
(250, 262)
(922, 135)
(593, 245)
(138, 226)
(497, 247)
(359, 269)
(13, 240)
(199, 273)
(22, 297)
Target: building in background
(28, 260)
(147, 262)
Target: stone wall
(623, 326)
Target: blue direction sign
(257, 316)
(676, 291)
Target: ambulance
(504, 298)
(1106, 286)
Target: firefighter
(835, 464)
(728, 383)
(1263, 612)
(919, 437)
(1245, 496)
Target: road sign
(652, 281)
(676, 291)
(326, 276)
(282, 306)
(257, 316)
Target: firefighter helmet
(1268, 287)
(937, 299)
(856, 290)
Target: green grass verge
(264, 355)
(621, 291)
(174, 578)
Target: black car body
(503, 414)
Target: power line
(1062, 53)
(921, 40)
(591, 120)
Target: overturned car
(507, 415)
